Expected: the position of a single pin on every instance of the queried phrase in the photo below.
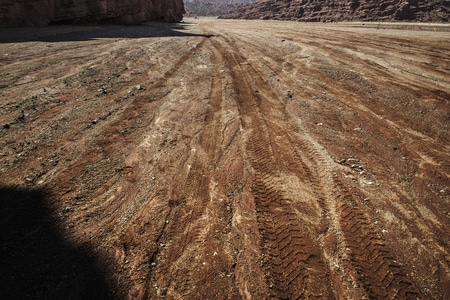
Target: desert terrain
(219, 159)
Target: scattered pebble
(102, 91)
(161, 292)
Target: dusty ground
(225, 160)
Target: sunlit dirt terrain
(218, 159)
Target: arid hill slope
(340, 10)
(43, 12)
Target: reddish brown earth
(225, 160)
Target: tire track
(131, 116)
(381, 275)
(378, 271)
(293, 263)
(190, 231)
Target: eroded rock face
(213, 7)
(44, 12)
(340, 10)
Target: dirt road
(226, 160)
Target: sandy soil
(218, 159)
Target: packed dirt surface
(218, 159)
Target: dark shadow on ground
(36, 261)
(68, 33)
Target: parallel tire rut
(379, 272)
(294, 265)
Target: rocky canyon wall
(342, 10)
(44, 12)
(213, 7)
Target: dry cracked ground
(217, 159)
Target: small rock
(341, 162)
(161, 292)
(6, 126)
(352, 160)
(289, 94)
(94, 121)
(22, 116)
(138, 87)
(357, 167)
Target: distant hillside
(213, 7)
(341, 10)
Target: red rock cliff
(44, 12)
(213, 7)
(340, 10)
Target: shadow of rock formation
(66, 33)
(37, 261)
